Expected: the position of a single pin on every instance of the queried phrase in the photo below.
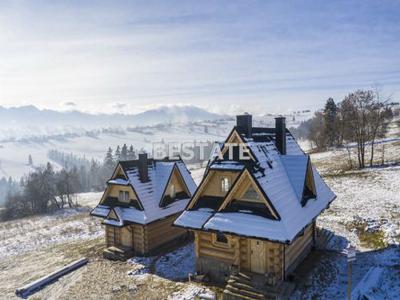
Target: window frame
(172, 191)
(225, 184)
(258, 198)
(121, 196)
(218, 243)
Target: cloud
(224, 55)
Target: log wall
(144, 238)
(298, 250)
(237, 252)
(161, 232)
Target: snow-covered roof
(149, 193)
(227, 165)
(281, 178)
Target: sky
(226, 56)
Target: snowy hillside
(25, 121)
(93, 143)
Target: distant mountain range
(32, 116)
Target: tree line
(359, 119)
(46, 189)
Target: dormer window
(225, 184)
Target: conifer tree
(124, 152)
(117, 154)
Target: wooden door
(126, 236)
(257, 256)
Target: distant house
(141, 201)
(256, 216)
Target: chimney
(244, 124)
(143, 171)
(280, 134)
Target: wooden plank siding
(298, 250)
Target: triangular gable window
(309, 191)
(246, 197)
(251, 195)
(175, 189)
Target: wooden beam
(41, 282)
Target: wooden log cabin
(141, 201)
(256, 213)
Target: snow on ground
(367, 204)
(90, 199)
(175, 265)
(366, 213)
(14, 155)
(328, 280)
(192, 291)
(197, 175)
(34, 233)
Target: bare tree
(365, 118)
(67, 185)
(355, 109)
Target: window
(172, 191)
(221, 238)
(123, 196)
(251, 194)
(225, 184)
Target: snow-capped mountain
(36, 119)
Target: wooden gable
(309, 191)
(119, 173)
(211, 185)
(247, 192)
(175, 189)
(112, 215)
(235, 138)
(112, 192)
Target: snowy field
(94, 144)
(366, 213)
(14, 155)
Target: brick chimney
(280, 134)
(244, 124)
(143, 170)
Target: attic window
(123, 196)
(251, 194)
(225, 184)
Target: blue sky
(227, 56)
